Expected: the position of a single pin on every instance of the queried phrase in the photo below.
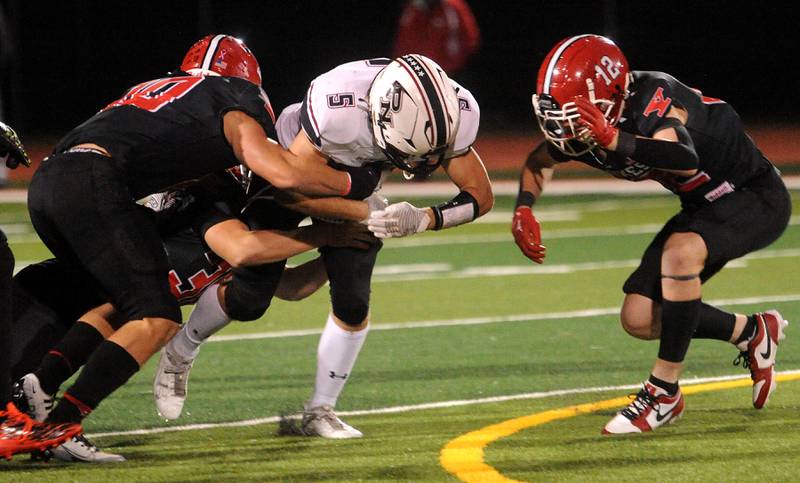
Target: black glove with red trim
(12, 152)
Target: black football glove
(11, 149)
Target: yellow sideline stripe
(463, 456)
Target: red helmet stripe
(554, 60)
(211, 52)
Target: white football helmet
(414, 112)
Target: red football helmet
(585, 65)
(222, 55)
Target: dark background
(72, 58)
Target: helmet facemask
(560, 125)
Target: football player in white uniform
(406, 112)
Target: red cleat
(758, 354)
(651, 407)
(21, 434)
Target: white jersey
(335, 117)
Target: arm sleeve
(658, 153)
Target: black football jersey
(168, 131)
(728, 157)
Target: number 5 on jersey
(153, 95)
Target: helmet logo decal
(390, 104)
(211, 52)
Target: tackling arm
(328, 207)
(238, 245)
(304, 171)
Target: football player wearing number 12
(209, 116)
(648, 125)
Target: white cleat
(81, 449)
(171, 384)
(322, 421)
(31, 398)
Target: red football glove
(527, 234)
(593, 119)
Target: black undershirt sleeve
(660, 154)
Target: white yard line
(536, 270)
(423, 406)
(423, 324)
(462, 402)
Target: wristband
(525, 198)
(461, 209)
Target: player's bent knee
(636, 326)
(636, 317)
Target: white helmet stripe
(212, 50)
(554, 60)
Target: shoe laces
(326, 414)
(641, 401)
(177, 369)
(743, 358)
(84, 441)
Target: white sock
(206, 319)
(336, 355)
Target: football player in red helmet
(571, 71)
(648, 125)
(162, 133)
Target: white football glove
(399, 219)
(375, 202)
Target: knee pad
(350, 275)
(250, 291)
(352, 312)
